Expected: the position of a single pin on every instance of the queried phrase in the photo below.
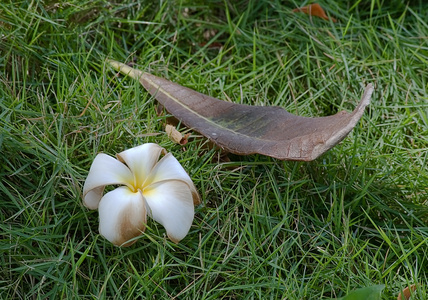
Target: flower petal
(104, 170)
(171, 204)
(169, 168)
(141, 160)
(123, 216)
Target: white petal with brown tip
(168, 168)
(105, 170)
(122, 215)
(170, 203)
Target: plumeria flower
(151, 187)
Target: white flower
(149, 186)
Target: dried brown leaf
(407, 292)
(244, 129)
(314, 10)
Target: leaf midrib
(211, 122)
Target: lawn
(266, 229)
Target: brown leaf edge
(317, 135)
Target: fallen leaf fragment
(244, 129)
(314, 10)
(175, 135)
(406, 293)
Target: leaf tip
(367, 95)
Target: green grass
(266, 229)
